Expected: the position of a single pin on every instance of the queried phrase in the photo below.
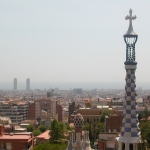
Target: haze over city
(74, 75)
(69, 44)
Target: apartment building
(51, 107)
(17, 111)
(72, 107)
(42, 104)
(113, 123)
(31, 112)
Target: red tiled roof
(5, 102)
(44, 135)
(21, 103)
(15, 137)
(45, 98)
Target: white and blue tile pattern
(130, 132)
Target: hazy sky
(71, 40)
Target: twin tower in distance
(27, 84)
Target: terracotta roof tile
(44, 135)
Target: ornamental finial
(130, 18)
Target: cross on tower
(130, 17)
(130, 31)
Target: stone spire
(71, 139)
(130, 132)
(77, 145)
(86, 141)
(76, 141)
(130, 18)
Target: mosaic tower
(130, 132)
(78, 141)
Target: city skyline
(70, 85)
(15, 83)
(65, 41)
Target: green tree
(67, 126)
(146, 112)
(142, 145)
(51, 146)
(90, 133)
(36, 132)
(103, 114)
(42, 128)
(57, 130)
(86, 126)
(139, 116)
(145, 130)
(30, 128)
(100, 128)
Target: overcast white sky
(71, 40)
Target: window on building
(88, 120)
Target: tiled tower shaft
(130, 131)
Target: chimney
(2, 130)
(71, 140)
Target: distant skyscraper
(15, 83)
(28, 84)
